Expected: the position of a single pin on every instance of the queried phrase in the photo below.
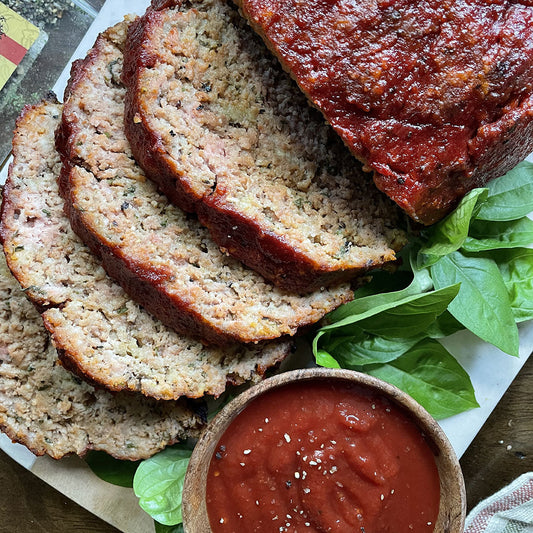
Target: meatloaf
(98, 330)
(436, 98)
(161, 257)
(51, 411)
(226, 133)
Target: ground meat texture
(435, 97)
(162, 257)
(215, 121)
(51, 411)
(99, 332)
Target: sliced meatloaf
(436, 98)
(98, 330)
(226, 133)
(162, 257)
(51, 411)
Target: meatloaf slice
(51, 411)
(98, 330)
(163, 258)
(226, 133)
(436, 98)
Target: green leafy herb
(162, 528)
(516, 267)
(431, 375)
(377, 302)
(412, 316)
(483, 304)
(494, 235)
(112, 470)
(511, 196)
(472, 270)
(449, 234)
(324, 359)
(400, 316)
(366, 349)
(158, 484)
(445, 324)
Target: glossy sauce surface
(322, 456)
(409, 85)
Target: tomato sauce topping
(322, 456)
(410, 85)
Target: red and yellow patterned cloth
(16, 37)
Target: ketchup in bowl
(322, 455)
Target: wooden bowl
(452, 509)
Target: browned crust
(496, 149)
(142, 285)
(70, 363)
(21, 438)
(242, 238)
(26, 110)
(511, 141)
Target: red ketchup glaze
(322, 456)
(409, 85)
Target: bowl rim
(452, 513)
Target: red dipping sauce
(322, 455)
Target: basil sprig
(112, 470)
(158, 483)
(472, 270)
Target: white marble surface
(491, 370)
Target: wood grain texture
(502, 450)
(28, 504)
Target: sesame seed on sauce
(311, 462)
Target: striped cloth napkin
(508, 511)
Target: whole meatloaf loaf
(226, 133)
(98, 330)
(162, 257)
(436, 98)
(51, 411)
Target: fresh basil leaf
(482, 304)
(449, 234)
(324, 359)
(112, 470)
(353, 352)
(382, 281)
(510, 196)
(445, 324)
(162, 528)
(158, 483)
(373, 304)
(516, 267)
(486, 235)
(432, 376)
(411, 317)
